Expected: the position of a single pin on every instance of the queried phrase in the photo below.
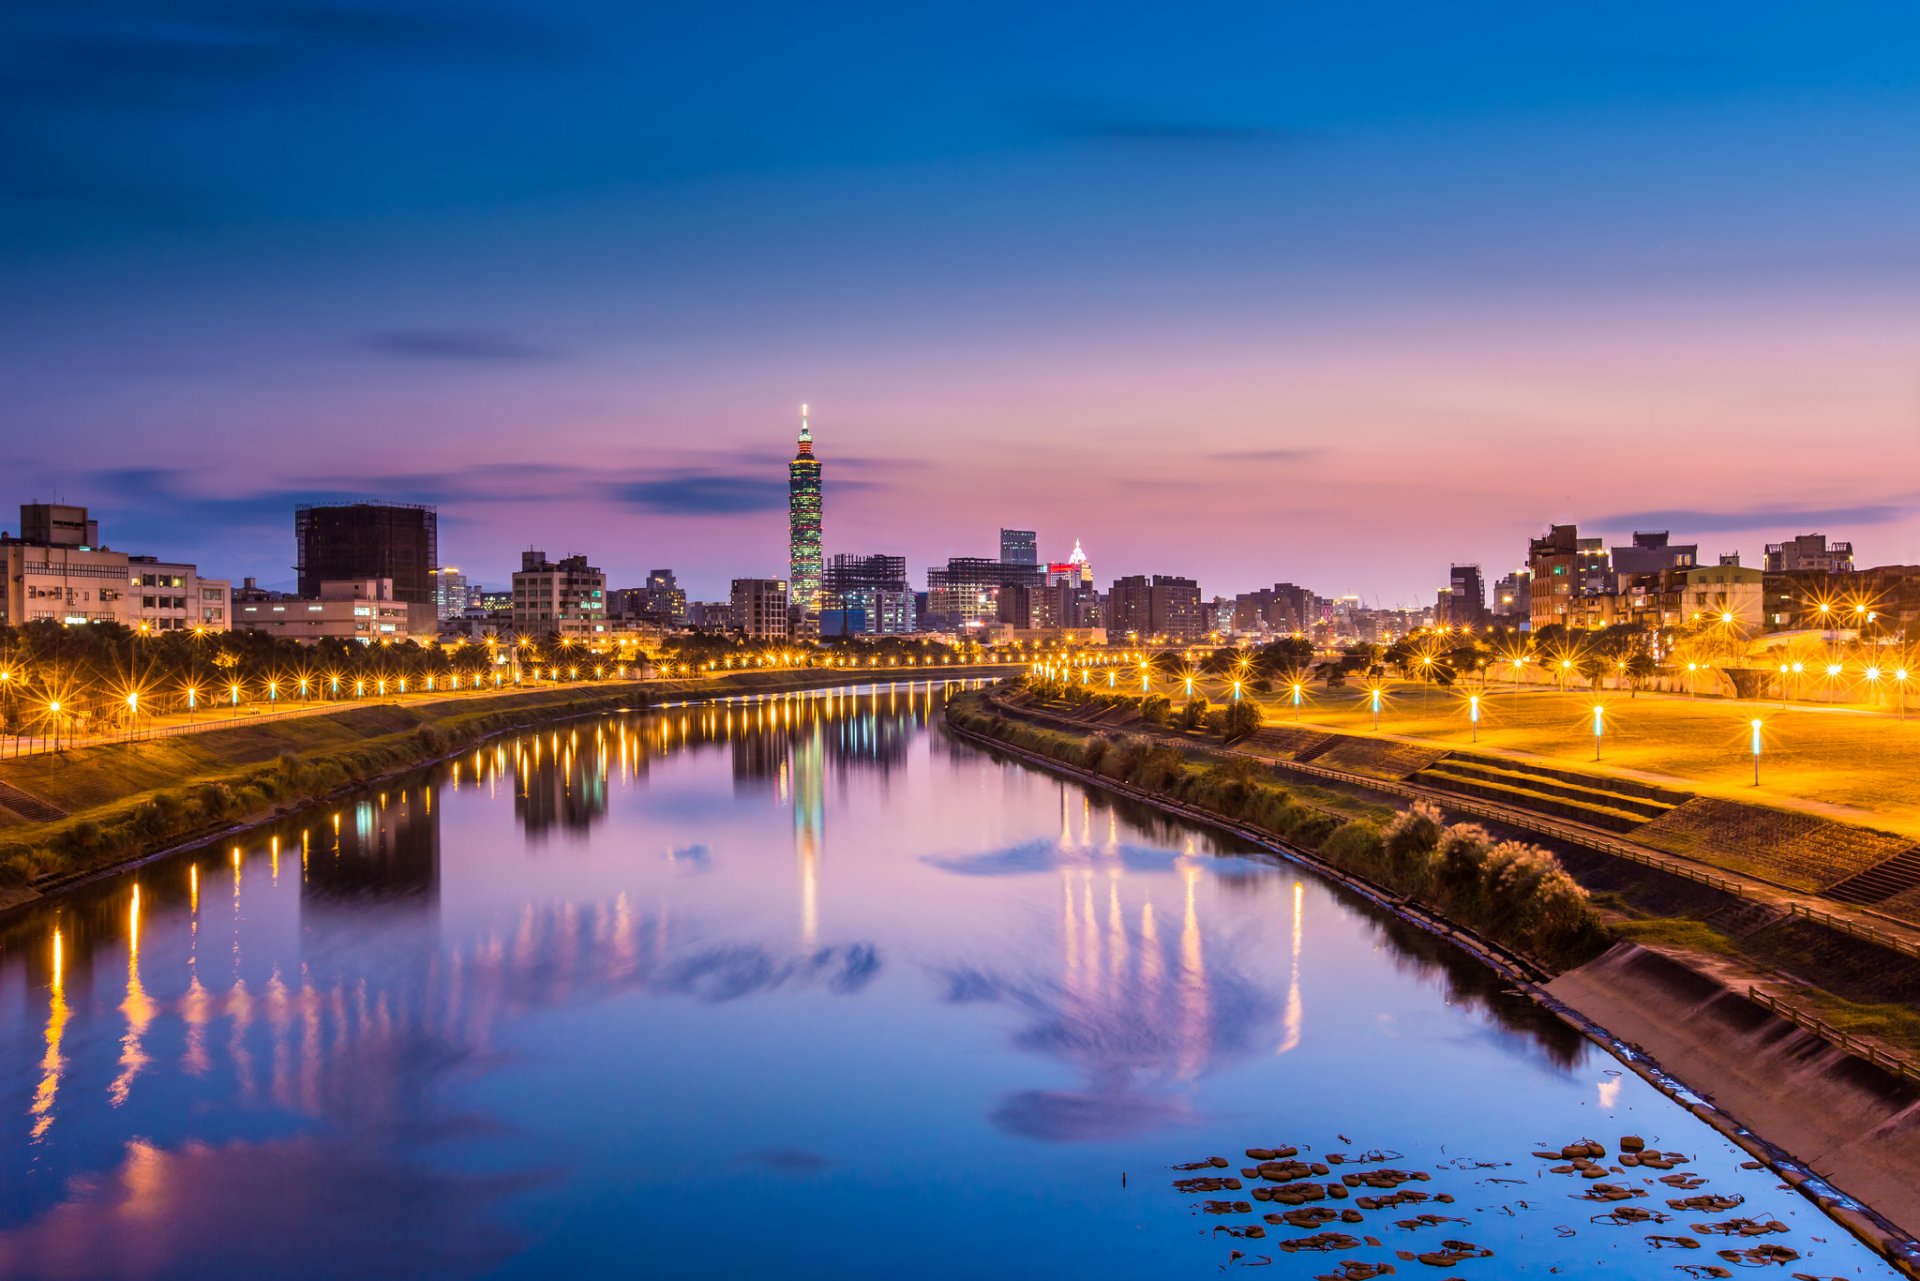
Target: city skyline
(1348, 294)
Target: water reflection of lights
(1291, 1020)
(52, 1061)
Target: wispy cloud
(481, 346)
(1801, 519)
(1112, 126)
(1300, 455)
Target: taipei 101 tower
(803, 541)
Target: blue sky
(1354, 291)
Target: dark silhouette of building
(1163, 606)
(1464, 603)
(358, 541)
(1019, 547)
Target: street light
(1757, 724)
(1374, 692)
(1297, 687)
(1473, 714)
(1599, 727)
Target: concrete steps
(1882, 881)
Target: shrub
(1095, 750)
(1194, 714)
(1410, 841)
(1260, 685)
(1357, 845)
(1241, 719)
(214, 800)
(1155, 708)
(1459, 859)
(1161, 769)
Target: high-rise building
(1163, 606)
(1019, 547)
(1073, 569)
(1464, 602)
(967, 591)
(358, 541)
(759, 608)
(449, 592)
(666, 599)
(565, 598)
(803, 524)
(867, 594)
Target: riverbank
(83, 813)
(1850, 1124)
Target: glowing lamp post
(1236, 691)
(1873, 684)
(1143, 677)
(1374, 699)
(1599, 728)
(1473, 714)
(1900, 680)
(233, 695)
(1296, 701)
(133, 714)
(1757, 725)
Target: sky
(1328, 294)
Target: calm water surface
(798, 987)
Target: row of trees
(89, 679)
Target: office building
(566, 598)
(867, 594)
(966, 592)
(57, 571)
(1464, 602)
(1019, 547)
(1512, 604)
(1074, 569)
(666, 600)
(1162, 607)
(1809, 553)
(760, 609)
(359, 541)
(449, 593)
(1283, 609)
(362, 610)
(803, 524)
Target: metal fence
(1836, 1037)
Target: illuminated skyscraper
(803, 508)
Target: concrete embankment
(1847, 1120)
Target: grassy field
(1848, 763)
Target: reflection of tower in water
(809, 824)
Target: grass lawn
(1846, 762)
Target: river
(802, 987)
